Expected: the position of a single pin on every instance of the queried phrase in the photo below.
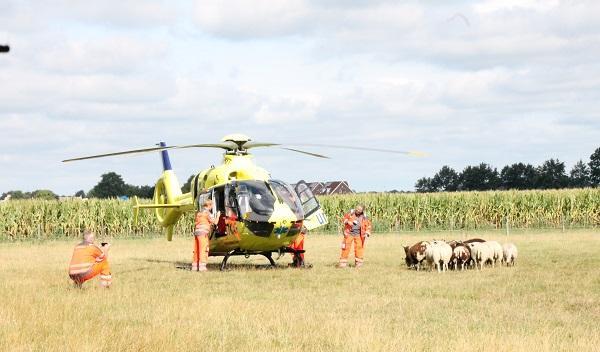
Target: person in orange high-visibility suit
(357, 227)
(203, 226)
(298, 244)
(90, 260)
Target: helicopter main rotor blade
(252, 144)
(307, 153)
(154, 149)
(133, 151)
(405, 152)
(223, 145)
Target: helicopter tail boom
(168, 202)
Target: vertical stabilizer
(166, 161)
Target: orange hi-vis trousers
(298, 244)
(359, 250)
(200, 252)
(100, 268)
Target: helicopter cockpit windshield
(255, 200)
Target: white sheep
(509, 254)
(480, 253)
(438, 253)
(433, 256)
(496, 252)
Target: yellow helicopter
(258, 215)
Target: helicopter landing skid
(268, 255)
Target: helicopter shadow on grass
(187, 266)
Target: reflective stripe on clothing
(101, 268)
(203, 221)
(82, 265)
(201, 232)
(84, 256)
(79, 271)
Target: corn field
(471, 210)
(26, 219)
(31, 219)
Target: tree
(445, 180)
(579, 175)
(424, 185)
(552, 175)
(18, 195)
(479, 178)
(111, 185)
(80, 194)
(518, 176)
(44, 194)
(187, 186)
(595, 168)
(140, 191)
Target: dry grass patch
(548, 302)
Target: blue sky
(467, 81)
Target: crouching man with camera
(90, 260)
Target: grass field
(549, 302)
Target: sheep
(453, 243)
(415, 254)
(496, 252)
(433, 255)
(480, 253)
(509, 254)
(446, 253)
(461, 256)
(473, 240)
(438, 253)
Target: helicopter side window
(203, 197)
(287, 195)
(307, 198)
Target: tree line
(550, 175)
(111, 185)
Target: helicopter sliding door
(314, 216)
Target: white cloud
(259, 18)
(108, 54)
(518, 83)
(508, 5)
(286, 110)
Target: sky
(495, 81)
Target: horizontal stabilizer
(155, 206)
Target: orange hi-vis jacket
(203, 222)
(365, 226)
(84, 257)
